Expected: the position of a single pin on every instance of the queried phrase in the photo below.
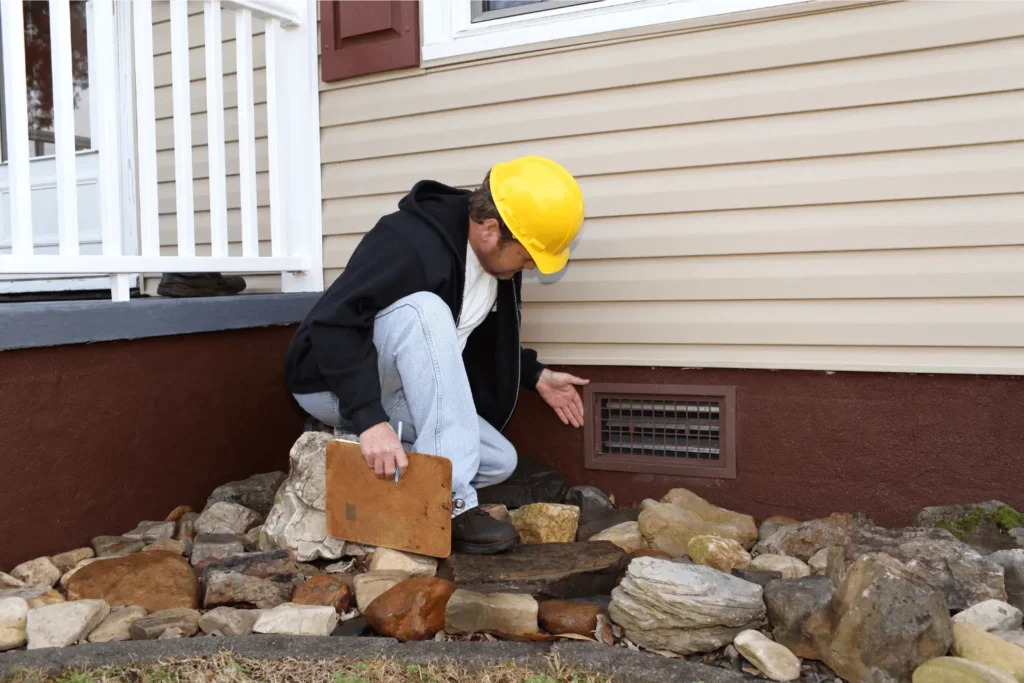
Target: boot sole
(485, 548)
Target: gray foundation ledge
(624, 665)
(32, 325)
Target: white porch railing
(293, 144)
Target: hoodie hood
(444, 209)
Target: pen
(399, 441)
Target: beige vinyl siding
(832, 190)
(200, 169)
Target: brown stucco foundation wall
(95, 438)
(811, 443)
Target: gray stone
(962, 575)
(883, 622)
(116, 546)
(8, 581)
(804, 540)
(594, 521)
(971, 523)
(38, 572)
(226, 518)
(153, 626)
(228, 621)
(13, 615)
(297, 620)
(261, 580)
(588, 498)
(530, 483)
(352, 627)
(688, 609)
(118, 624)
(256, 493)
(152, 531)
(1016, 637)
(1012, 562)
(791, 603)
(548, 570)
(65, 623)
(759, 576)
(991, 615)
(298, 519)
(65, 562)
(215, 547)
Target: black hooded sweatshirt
(419, 248)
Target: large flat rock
(554, 570)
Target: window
(454, 28)
(659, 429)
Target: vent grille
(684, 430)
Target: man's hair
(481, 207)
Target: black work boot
(477, 533)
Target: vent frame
(724, 396)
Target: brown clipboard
(414, 516)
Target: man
(422, 328)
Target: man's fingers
(573, 379)
(575, 415)
(578, 403)
(389, 465)
(378, 466)
(561, 416)
(403, 462)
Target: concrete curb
(624, 665)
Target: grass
(227, 668)
(1006, 518)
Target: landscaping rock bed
(820, 600)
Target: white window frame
(448, 31)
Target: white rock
(789, 567)
(775, 661)
(229, 621)
(13, 614)
(359, 550)
(647, 503)
(626, 535)
(343, 567)
(152, 531)
(8, 581)
(370, 585)
(117, 626)
(503, 613)
(38, 572)
(385, 559)
(819, 561)
(298, 519)
(226, 518)
(64, 624)
(684, 608)
(991, 615)
(297, 620)
(65, 562)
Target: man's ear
(491, 230)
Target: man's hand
(558, 389)
(383, 451)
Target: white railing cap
(289, 12)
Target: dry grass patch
(225, 667)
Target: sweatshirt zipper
(519, 357)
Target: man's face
(502, 259)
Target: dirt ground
(228, 668)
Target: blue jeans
(424, 386)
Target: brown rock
(324, 590)
(177, 513)
(186, 526)
(546, 522)
(724, 554)
(65, 562)
(681, 515)
(262, 580)
(412, 609)
(184, 620)
(805, 539)
(50, 597)
(560, 617)
(158, 581)
(168, 545)
(552, 570)
(883, 622)
(649, 552)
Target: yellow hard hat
(541, 203)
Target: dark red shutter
(360, 38)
